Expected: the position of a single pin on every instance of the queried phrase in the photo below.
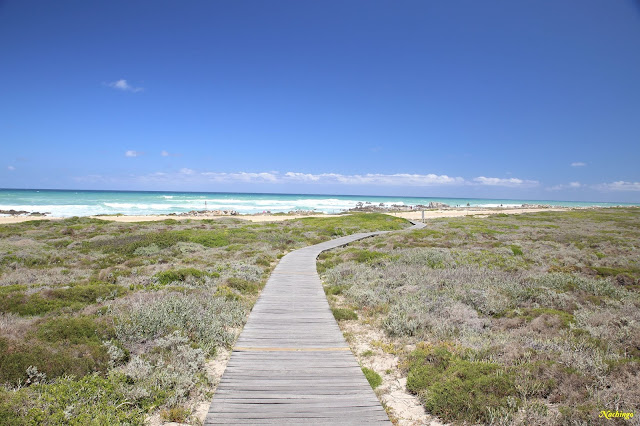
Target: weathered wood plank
(292, 364)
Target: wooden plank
(291, 363)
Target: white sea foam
(498, 205)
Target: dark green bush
(167, 277)
(373, 378)
(367, 256)
(74, 298)
(91, 400)
(344, 314)
(75, 330)
(53, 359)
(456, 389)
(243, 286)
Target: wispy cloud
(124, 86)
(369, 179)
(11, 168)
(620, 185)
(132, 153)
(169, 154)
(570, 185)
(578, 164)
(244, 177)
(508, 182)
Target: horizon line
(311, 194)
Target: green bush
(243, 286)
(176, 414)
(92, 400)
(373, 378)
(52, 359)
(264, 260)
(456, 389)
(344, 314)
(367, 256)
(171, 275)
(74, 298)
(74, 330)
(333, 289)
(208, 321)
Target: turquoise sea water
(84, 203)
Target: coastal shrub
(177, 414)
(208, 321)
(456, 389)
(572, 282)
(352, 223)
(264, 260)
(34, 304)
(344, 314)
(373, 378)
(74, 330)
(150, 250)
(333, 290)
(73, 298)
(149, 373)
(53, 359)
(434, 258)
(92, 399)
(128, 244)
(368, 256)
(243, 286)
(432, 315)
(182, 275)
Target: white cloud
(169, 154)
(398, 179)
(578, 164)
(571, 185)
(509, 182)
(11, 168)
(290, 177)
(164, 153)
(124, 86)
(132, 153)
(619, 186)
(303, 177)
(244, 177)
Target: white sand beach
(412, 215)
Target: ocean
(66, 203)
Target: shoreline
(260, 217)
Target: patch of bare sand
(375, 350)
(432, 214)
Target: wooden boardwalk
(291, 363)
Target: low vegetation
(525, 319)
(109, 323)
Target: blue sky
(531, 99)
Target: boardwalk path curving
(291, 363)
